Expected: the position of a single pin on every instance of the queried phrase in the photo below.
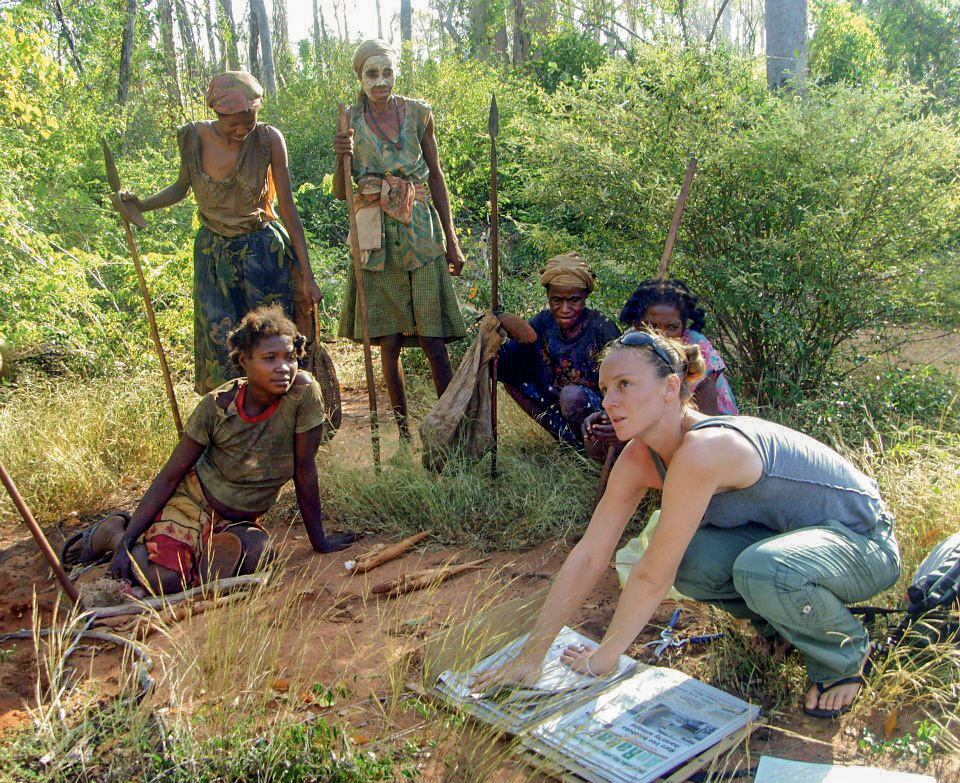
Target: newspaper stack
(514, 708)
(631, 726)
(641, 728)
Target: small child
(671, 308)
(242, 443)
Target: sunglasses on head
(643, 339)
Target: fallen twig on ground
(382, 553)
(415, 580)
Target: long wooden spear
(493, 127)
(129, 213)
(68, 587)
(342, 125)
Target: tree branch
(716, 20)
(68, 35)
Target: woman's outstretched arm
(706, 461)
(585, 564)
(289, 215)
(441, 197)
(181, 462)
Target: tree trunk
(253, 47)
(259, 11)
(317, 31)
(71, 42)
(500, 44)
(185, 24)
(283, 57)
(479, 17)
(379, 22)
(785, 22)
(126, 52)
(230, 35)
(406, 21)
(521, 33)
(165, 13)
(211, 35)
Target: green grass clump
(125, 743)
(542, 491)
(74, 445)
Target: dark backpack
(932, 613)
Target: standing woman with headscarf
(550, 366)
(407, 242)
(242, 257)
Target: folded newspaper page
(631, 726)
(517, 707)
(641, 728)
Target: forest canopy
(823, 207)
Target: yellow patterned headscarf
(568, 270)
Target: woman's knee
(434, 347)
(390, 347)
(754, 569)
(573, 402)
(257, 551)
(701, 576)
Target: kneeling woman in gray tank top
(758, 518)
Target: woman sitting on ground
(242, 443)
(550, 365)
(671, 308)
(757, 518)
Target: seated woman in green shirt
(242, 443)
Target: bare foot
(98, 540)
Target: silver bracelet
(589, 670)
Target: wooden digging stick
(493, 128)
(416, 580)
(383, 553)
(677, 214)
(127, 213)
(343, 125)
(68, 587)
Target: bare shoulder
(721, 452)
(302, 378)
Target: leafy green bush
(811, 224)
(808, 221)
(564, 57)
(845, 46)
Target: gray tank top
(803, 483)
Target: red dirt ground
(346, 634)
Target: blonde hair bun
(693, 361)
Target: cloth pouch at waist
(379, 196)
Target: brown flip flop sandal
(223, 557)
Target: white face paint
(379, 72)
